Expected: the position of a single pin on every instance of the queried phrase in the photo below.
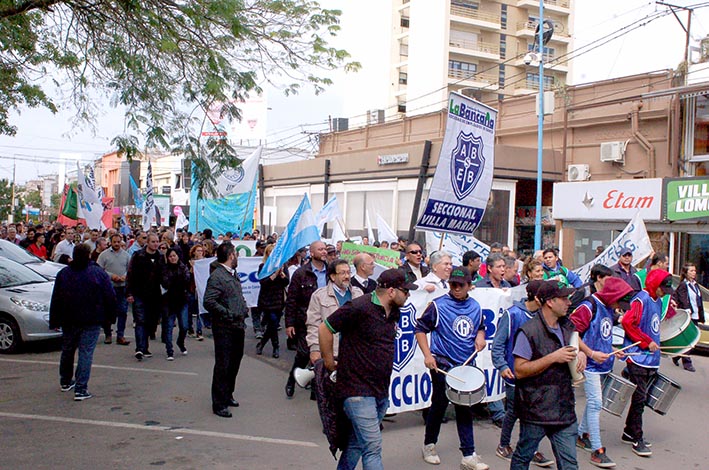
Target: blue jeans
(508, 423)
(145, 315)
(84, 339)
(563, 444)
(193, 310)
(169, 324)
(497, 410)
(590, 421)
(119, 315)
(365, 414)
(463, 417)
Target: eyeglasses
(405, 291)
(627, 254)
(415, 252)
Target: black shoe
(147, 353)
(641, 449)
(675, 360)
(688, 366)
(290, 387)
(139, 355)
(259, 349)
(627, 439)
(312, 395)
(276, 353)
(233, 403)
(223, 413)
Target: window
(404, 22)
(403, 78)
(401, 107)
(503, 16)
(701, 126)
(466, 4)
(503, 46)
(533, 81)
(501, 76)
(404, 50)
(549, 52)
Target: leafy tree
(161, 61)
(33, 198)
(55, 202)
(5, 198)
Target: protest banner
(382, 256)
(248, 275)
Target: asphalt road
(158, 414)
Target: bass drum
(678, 334)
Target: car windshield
(14, 274)
(17, 254)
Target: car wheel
(10, 338)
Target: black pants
(272, 319)
(642, 377)
(302, 353)
(228, 351)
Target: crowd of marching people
(339, 317)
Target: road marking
(99, 366)
(142, 427)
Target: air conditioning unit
(340, 124)
(578, 172)
(613, 152)
(375, 116)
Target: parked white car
(18, 254)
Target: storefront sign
(686, 198)
(608, 200)
(392, 159)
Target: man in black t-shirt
(367, 328)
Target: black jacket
(224, 299)
(371, 285)
(302, 285)
(176, 280)
(81, 297)
(546, 398)
(409, 274)
(144, 275)
(272, 296)
(681, 296)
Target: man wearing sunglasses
(625, 270)
(413, 267)
(455, 324)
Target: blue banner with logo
(463, 179)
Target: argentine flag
(330, 211)
(300, 231)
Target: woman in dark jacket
(689, 297)
(271, 302)
(175, 282)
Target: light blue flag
(300, 231)
(137, 197)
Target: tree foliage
(5, 198)
(161, 61)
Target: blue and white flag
(137, 197)
(300, 231)
(124, 228)
(149, 213)
(329, 212)
(89, 203)
(463, 179)
(242, 179)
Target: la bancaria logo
(405, 338)
(467, 164)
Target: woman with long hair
(37, 248)
(271, 302)
(532, 270)
(175, 281)
(195, 320)
(689, 297)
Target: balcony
(481, 19)
(527, 87)
(557, 6)
(550, 62)
(481, 50)
(465, 78)
(526, 29)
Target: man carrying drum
(454, 321)
(642, 325)
(594, 319)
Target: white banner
(248, 274)
(463, 179)
(410, 387)
(456, 245)
(608, 200)
(634, 237)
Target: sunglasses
(405, 291)
(415, 252)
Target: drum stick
(676, 355)
(470, 358)
(450, 375)
(674, 347)
(623, 349)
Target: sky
(45, 142)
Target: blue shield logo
(467, 164)
(405, 338)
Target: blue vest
(650, 325)
(599, 335)
(456, 328)
(518, 315)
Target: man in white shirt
(441, 267)
(65, 247)
(364, 268)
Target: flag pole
(440, 244)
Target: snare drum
(617, 393)
(469, 390)
(661, 393)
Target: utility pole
(686, 29)
(11, 217)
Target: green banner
(687, 198)
(382, 256)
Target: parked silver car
(18, 254)
(24, 306)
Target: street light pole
(540, 133)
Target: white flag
(384, 231)
(149, 201)
(337, 233)
(329, 212)
(370, 230)
(242, 179)
(89, 202)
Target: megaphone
(303, 376)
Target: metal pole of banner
(540, 133)
(326, 192)
(419, 188)
(260, 197)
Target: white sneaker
(430, 455)
(473, 462)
